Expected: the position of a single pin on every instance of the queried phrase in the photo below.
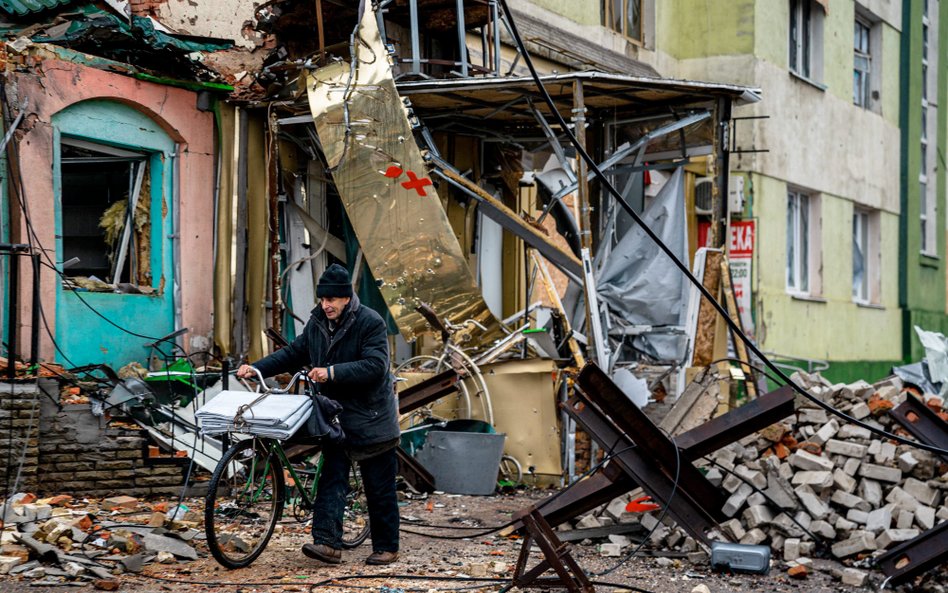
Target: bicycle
(252, 484)
(451, 356)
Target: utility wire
(604, 180)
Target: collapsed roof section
(107, 33)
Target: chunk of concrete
(844, 481)
(858, 541)
(811, 502)
(854, 577)
(892, 536)
(879, 519)
(880, 473)
(850, 501)
(845, 448)
(807, 461)
(815, 479)
(922, 492)
(870, 491)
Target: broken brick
(810, 447)
(28, 498)
(84, 523)
(56, 501)
(781, 451)
(879, 406)
(797, 572)
(106, 584)
(119, 502)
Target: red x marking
(416, 184)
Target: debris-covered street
(473, 295)
(426, 560)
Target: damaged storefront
(181, 200)
(442, 182)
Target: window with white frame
(806, 39)
(865, 256)
(862, 62)
(804, 243)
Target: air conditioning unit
(735, 194)
(703, 189)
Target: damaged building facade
(253, 148)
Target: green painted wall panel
(771, 24)
(83, 334)
(824, 329)
(584, 12)
(703, 28)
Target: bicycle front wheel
(355, 520)
(244, 501)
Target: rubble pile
(816, 486)
(59, 540)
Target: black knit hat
(334, 282)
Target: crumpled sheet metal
(384, 185)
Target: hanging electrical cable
(604, 180)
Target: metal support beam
(915, 556)
(415, 42)
(922, 422)
(556, 558)
(429, 390)
(610, 481)
(462, 38)
(505, 217)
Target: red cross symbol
(416, 184)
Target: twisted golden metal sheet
(380, 174)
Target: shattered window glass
(104, 247)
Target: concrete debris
(73, 542)
(838, 490)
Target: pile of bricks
(817, 486)
(60, 540)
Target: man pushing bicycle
(346, 345)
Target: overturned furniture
(640, 455)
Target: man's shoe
(379, 558)
(323, 553)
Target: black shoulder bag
(323, 422)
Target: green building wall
(922, 277)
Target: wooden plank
(727, 288)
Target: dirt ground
(433, 565)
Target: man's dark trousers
(378, 478)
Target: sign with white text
(740, 256)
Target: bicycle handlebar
(268, 390)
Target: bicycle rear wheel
(355, 520)
(244, 502)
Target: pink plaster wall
(55, 85)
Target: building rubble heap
(813, 485)
(58, 540)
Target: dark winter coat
(361, 381)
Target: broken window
(106, 216)
(624, 16)
(861, 256)
(862, 62)
(806, 40)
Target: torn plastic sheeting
(103, 26)
(936, 354)
(637, 281)
(383, 183)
